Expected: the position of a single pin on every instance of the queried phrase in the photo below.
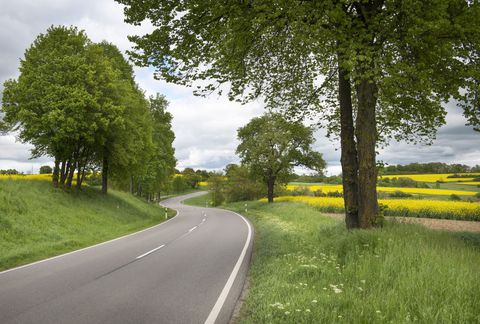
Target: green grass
(200, 201)
(307, 268)
(37, 221)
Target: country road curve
(190, 269)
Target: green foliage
(77, 101)
(455, 197)
(9, 171)
(191, 177)
(241, 185)
(179, 185)
(46, 169)
(270, 146)
(428, 168)
(216, 186)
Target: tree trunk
(270, 187)
(71, 172)
(366, 134)
(63, 172)
(348, 149)
(56, 171)
(105, 175)
(131, 185)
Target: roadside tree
(271, 146)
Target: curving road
(190, 269)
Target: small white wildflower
(307, 310)
(287, 312)
(337, 290)
(298, 310)
(314, 301)
(324, 288)
(377, 311)
(363, 281)
(360, 288)
(340, 316)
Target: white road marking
(212, 317)
(203, 220)
(88, 247)
(193, 228)
(151, 251)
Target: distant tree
(270, 146)
(191, 177)
(241, 185)
(46, 169)
(216, 186)
(9, 172)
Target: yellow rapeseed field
(44, 177)
(433, 177)
(426, 191)
(401, 207)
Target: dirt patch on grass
(438, 224)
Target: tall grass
(308, 268)
(37, 221)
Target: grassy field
(308, 268)
(37, 221)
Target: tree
(370, 69)
(241, 185)
(270, 146)
(46, 169)
(216, 186)
(47, 103)
(191, 177)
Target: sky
(205, 128)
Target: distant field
(45, 177)
(426, 191)
(400, 207)
(434, 177)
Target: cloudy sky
(205, 128)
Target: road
(190, 269)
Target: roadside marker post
(166, 213)
(246, 209)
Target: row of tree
(432, 167)
(77, 101)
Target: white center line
(190, 230)
(151, 251)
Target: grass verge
(307, 268)
(37, 221)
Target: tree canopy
(77, 101)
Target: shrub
(399, 194)
(455, 197)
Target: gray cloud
(205, 128)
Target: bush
(399, 194)
(334, 194)
(455, 197)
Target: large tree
(372, 69)
(271, 146)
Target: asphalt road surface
(190, 269)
